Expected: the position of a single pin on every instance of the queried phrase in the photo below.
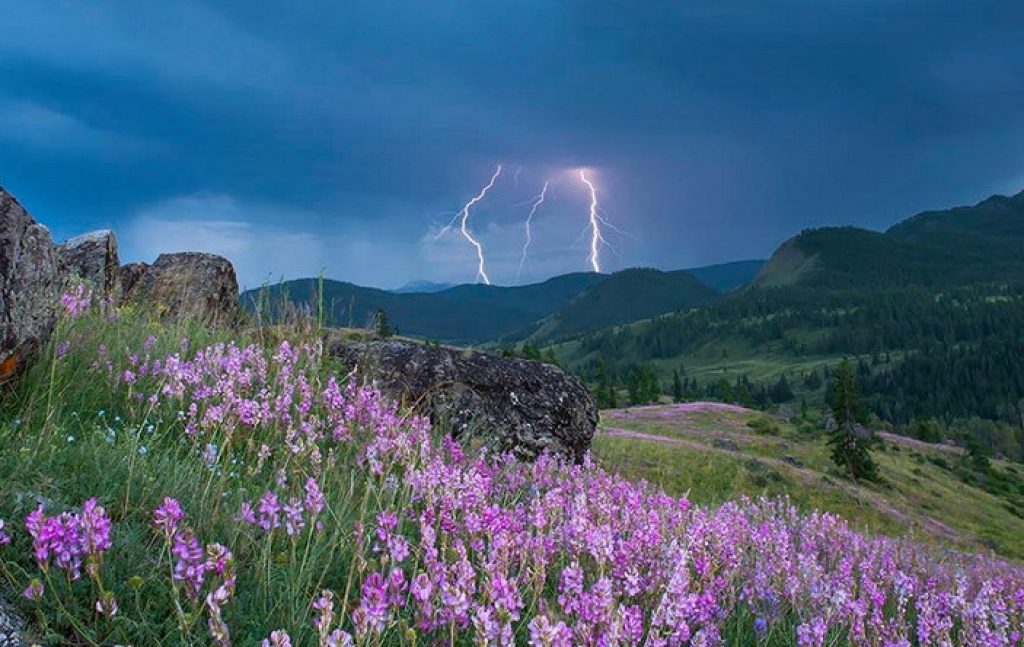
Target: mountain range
(933, 249)
(474, 313)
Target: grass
(717, 454)
(68, 435)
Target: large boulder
(516, 405)
(91, 257)
(29, 285)
(186, 285)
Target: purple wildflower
(167, 517)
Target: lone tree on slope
(850, 441)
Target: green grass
(719, 457)
(68, 435)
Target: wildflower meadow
(170, 485)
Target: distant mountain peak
(422, 287)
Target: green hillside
(936, 249)
(623, 297)
(935, 324)
(717, 453)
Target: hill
(936, 249)
(473, 314)
(717, 452)
(623, 297)
(467, 314)
(726, 277)
(932, 311)
(422, 286)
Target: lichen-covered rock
(29, 285)
(186, 285)
(129, 276)
(91, 257)
(516, 405)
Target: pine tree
(382, 324)
(677, 387)
(781, 391)
(605, 387)
(849, 440)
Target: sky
(299, 138)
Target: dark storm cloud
(295, 136)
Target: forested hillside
(932, 311)
(624, 297)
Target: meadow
(714, 453)
(171, 485)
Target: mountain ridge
(937, 248)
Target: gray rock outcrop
(189, 285)
(516, 405)
(29, 285)
(91, 257)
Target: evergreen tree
(605, 395)
(978, 453)
(781, 391)
(677, 387)
(382, 325)
(849, 440)
(551, 358)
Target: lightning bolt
(536, 202)
(596, 239)
(481, 272)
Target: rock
(29, 285)
(725, 443)
(11, 626)
(792, 460)
(91, 257)
(515, 405)
(187, 285)
(129, 276)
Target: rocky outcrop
(129, 276)
(29, 285)
(188, 285)
(92, 258)
(516, 405)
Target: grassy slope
(711, 452)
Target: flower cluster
(68, 538)
(76, 301)
(293, 514)
(192, 565)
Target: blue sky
(341, 136)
